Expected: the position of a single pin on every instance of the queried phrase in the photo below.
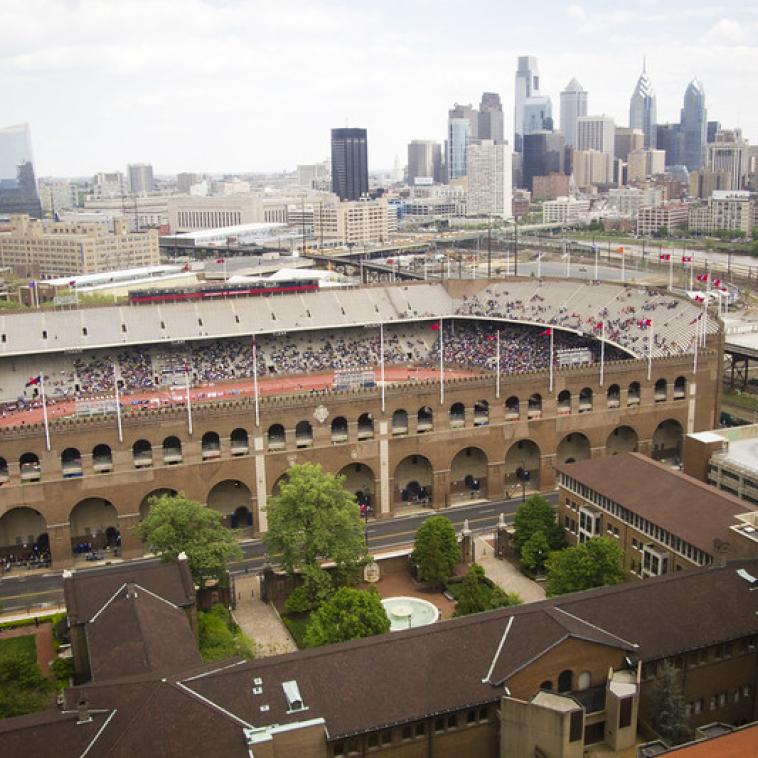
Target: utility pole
(515, 249)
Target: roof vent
(257, 681)
(264, 708)
(257, 690)
(749, 578)
(294, 698)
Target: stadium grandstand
(193, 390)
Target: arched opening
(633, 395)
(365, 426)
(277, 488)
(102, 459)
(522, 467)
(613, 397)
(339, 430)
(457, 415)
(565, 679)
(468, 474)
(359, 479)
(512, 408)
(23, 535)
(142, 453)
(94, 528)
(147, 501)
(172, 451)
(210, 446)
(31, 471)
(535, 406)
(546, 685)
(564, 402)
(413, 480)
(585, 400)
(233, 500)
(304, 434)
(481, 413)
(667, 440)
(400, 422)
(239, 441)
(71, 463)
(276, 437)
(583, 681)
(4, 476)
(661, 391)
(573, 447)
(680, 388)
(623, 439)
(424, 420)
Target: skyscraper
(597, 133)
(424, 160)
(491, 118)
(489, 179)
(729, 153)
(642, 109)
(693, 126)
(18, 185)
(349, 163)
(459, 135)
(140, 178)
(533, 111)
(543, 154)
(573, 106)
(669, 138)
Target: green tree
(347, 615)
(476, 595)
(218, 638)
(669, 709)
(594, 563)
(317, 587)
(537, 515)
(176, 524)
(436, 550)
(315, 518)
(23, 688)
(534, 552)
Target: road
(19, 591)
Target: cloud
(577, 13)
(727, 33)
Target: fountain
(409, 612)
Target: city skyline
(103, 88)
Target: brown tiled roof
(692, 510)
(137, 632)
(86, 592)
(740, 744)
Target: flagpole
(602, 354)
(650, 352)
(623, 274)
(671, 272)
(255, 384)
(118, 405)
(539, 266)
(44, 409)
(551, 359)
(497, 380)
(189, 401)
(442, 365)
(381, 359)
(697, 341)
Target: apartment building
(671, 216)
(730, 211)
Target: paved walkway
(259, 621)
(505, 574)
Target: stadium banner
(96, 407)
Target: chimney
(83, 711)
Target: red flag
(620, 249)
(717, 282)
(72, 283)
(686, 259)
(702, 277)
(547, 332)
(699, 298)
(436, 326)
(220, 260)
(665, 256)
(643, 322)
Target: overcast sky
(255, 85)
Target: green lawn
(23, 689)
(19, 647)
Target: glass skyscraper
(458, 138)
(694, 126)
(18, 185)
(642, 109)
(349, 163)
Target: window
(471, 717)
(439, 725)
(576, 728)
(385, 737)
(339, 749)
(420, 729)
(697, 706)
(625, 712)
(722, 699)
(712, 703)
(746, 691)
(484, 713)
(407, 732)
(452, 721)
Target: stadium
(427, 393)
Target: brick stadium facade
(244, 469)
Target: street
(19, 591)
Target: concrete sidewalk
(505, 574)
(259, 621)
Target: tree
(537, 515)
(176, 525)
(594, 563)
(436, 550)
(534, 552)
(317, 587)
(347, 615)
(315, 518)
(23, 688)
(669, 708)
(217, 638)
(476, 595)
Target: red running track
(225, 391)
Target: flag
(702, 277)
(220, 261)
(699, 298)
(620, 249)
(717, 283)
(72, 283)
(665, 256)
(436, 326)
(547, 332)
(686, 259)
(186, 367)
(643, 322)
(33, 380)
(491, 337)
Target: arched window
(304, 434)
(30, 468)
(565, 680)
(680, 388)
(210, 446)
(546, 685)
(457, 415)
(400, 422)
(564, 402)
(366, 426)
(142, 452)
(661, 390)
(481, 413)
(424, 420)
(276, 437)
(512, 408)
(3, 470)
(172, 451)
(239, 442)
(633, 396)
(339, 430)
(585, 400)
(71, 463)
(614, 396)
(102, 459)
(535, 406)
(583, 680)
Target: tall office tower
(140, 178)
(597, 133)
(18, 185)
(489, 179)
(424, 160)
(642, 111)
(573, 106)
(185, 180)
(349, 163)
(693, 126)
(533, 111)
(730, 153)
(543, 154)
(669, 139)
(627, 141)
(458, 139)
(711, 129)
(470, 114)
(491, 118)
